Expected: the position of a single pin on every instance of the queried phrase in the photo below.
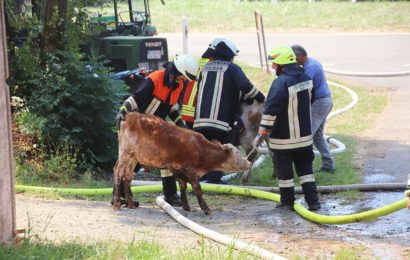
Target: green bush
(66, 103)
(61, 166)
(79, 107)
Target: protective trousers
(302, 160)
(169, 185)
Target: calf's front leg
(198, 192)
(182, 188)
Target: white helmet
(186, 65)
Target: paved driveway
(347, 52)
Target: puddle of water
(394, 225)
(379, 178)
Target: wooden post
(7, 200)
(185, 29)
(260, 32)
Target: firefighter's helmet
(282, 55)
(186, 65)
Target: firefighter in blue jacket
(286, 125)
(220, 86)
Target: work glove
(260, 137)
(180, 123)
(120, 116)
(125, 107)
(260, 97)
(248, 100)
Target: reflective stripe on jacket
(220, 86)
(153, 97)
(287, 110)
(190, 96)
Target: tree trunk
(54, 26)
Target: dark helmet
(222, 48)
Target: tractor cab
(128, 39)
(136, 20)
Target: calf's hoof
(133, 204)
(186, 208)
(116, 206)
(208, 212)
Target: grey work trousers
(320, 110)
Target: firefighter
(189, 97)
(321, 106)
(286, 125)
(220, 86)
(158, 95)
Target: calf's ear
(227, 148)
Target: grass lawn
(225, 16)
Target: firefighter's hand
(259, 139)
(180, 123)
(120, 116)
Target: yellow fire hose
(322, 219)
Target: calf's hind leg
(119, 171)
(127, 178)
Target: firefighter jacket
(287, 110)
(189, 101)
(155, 97)
(190, 96)
(220, 86)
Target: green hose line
(345, 219)
(314, 217)
(87, 192)
(322, 219)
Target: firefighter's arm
(265, 127)
(272, 108)
(128, 106)
(175, 116)
(246, 87)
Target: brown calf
(152, 142)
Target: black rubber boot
(214, 177)
(311, 198)
(287, 198)
(169, 189)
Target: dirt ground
(251, 220)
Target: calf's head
(235, 160)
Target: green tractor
(128, 39)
